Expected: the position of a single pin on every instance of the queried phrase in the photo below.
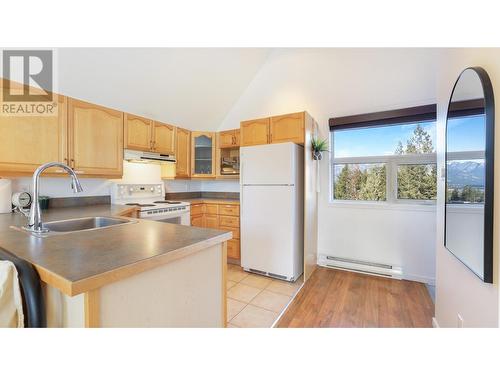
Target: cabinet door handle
(72, 163)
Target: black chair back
(31, 290)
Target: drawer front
(211, 221)
(233, 249)
(197, 209)
(236, 231)
(211, 209)
(229, 209)
(229, 221)
(197, 221)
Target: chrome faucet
(35, 217)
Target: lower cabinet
(223, 217)
(233, 249)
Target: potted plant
(318, 147)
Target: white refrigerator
(272, 210)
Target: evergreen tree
(455, 195)
(341, 184)
(417, 181)
(414, 181)
(374, 187)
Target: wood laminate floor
(334, 298)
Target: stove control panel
(126, 191)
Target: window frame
(409, 115)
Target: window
(465, 164)
(387, 159)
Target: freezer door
(267, 229)
(268, 164)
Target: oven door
(183, 218)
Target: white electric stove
(150, 198)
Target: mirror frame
(489, 110)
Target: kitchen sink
(80, 224)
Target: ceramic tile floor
(255, 301)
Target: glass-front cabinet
(203, 154)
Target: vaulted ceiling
(192, 88)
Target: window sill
(403, 206)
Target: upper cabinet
(276, 129)
(164, 138)
(183, 153)
(95, 141)
(138, 133)
(254, 132)
(287, 128)
(203, 154)
(229, 138)
(143, 134)
(26, 142)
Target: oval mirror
(469, 172)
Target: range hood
(147, 157)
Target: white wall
(338, 82)
(458, 290)
(189, 87)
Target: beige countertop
(78, 262)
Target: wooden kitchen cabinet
(211, 221)
(233, 249)
(223, 216)
(164, 138)
(95, 139)
(229, 221)
(202, 154)
(138, 133)
(26, 142)
(254, 132)
(276, 129)
(211, 209)
(229, 210)
(287, 128)
(197, 221)
(229, 138)
(183, 153)
(143, 134)
(197, 209)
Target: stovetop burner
(167, 202)
(140, 205)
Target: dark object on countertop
(43, 201)
(31, 290)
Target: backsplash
(202, 194)
(132, 173)
(61, 186)
(178, 186)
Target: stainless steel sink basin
(80, 224)
(85, 223)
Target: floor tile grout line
(280, 314)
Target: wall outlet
(460, 321)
